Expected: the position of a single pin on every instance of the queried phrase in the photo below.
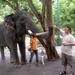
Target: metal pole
(58, 23)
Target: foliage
(67, 13)
(38, 5)
(4, 10)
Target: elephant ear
(9, 20)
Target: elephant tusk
(42, 33)
(29, 31)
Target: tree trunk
(50, 49)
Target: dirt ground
(50, 67)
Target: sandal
(63, 72)
(71, 73)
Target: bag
(29, 49)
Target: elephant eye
(22, 19)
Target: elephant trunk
(48, 33)
(42, 33)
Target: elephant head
(25, 25)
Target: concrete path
(50, 68)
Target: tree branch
(43, 15)
(12, 6)
(38, 15)
(17, 5)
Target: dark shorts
(67, 59)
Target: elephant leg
(22, 51)
(2, 54)
(14, 53)
(11, 57)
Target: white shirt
(67, 39)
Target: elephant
(8, 37)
